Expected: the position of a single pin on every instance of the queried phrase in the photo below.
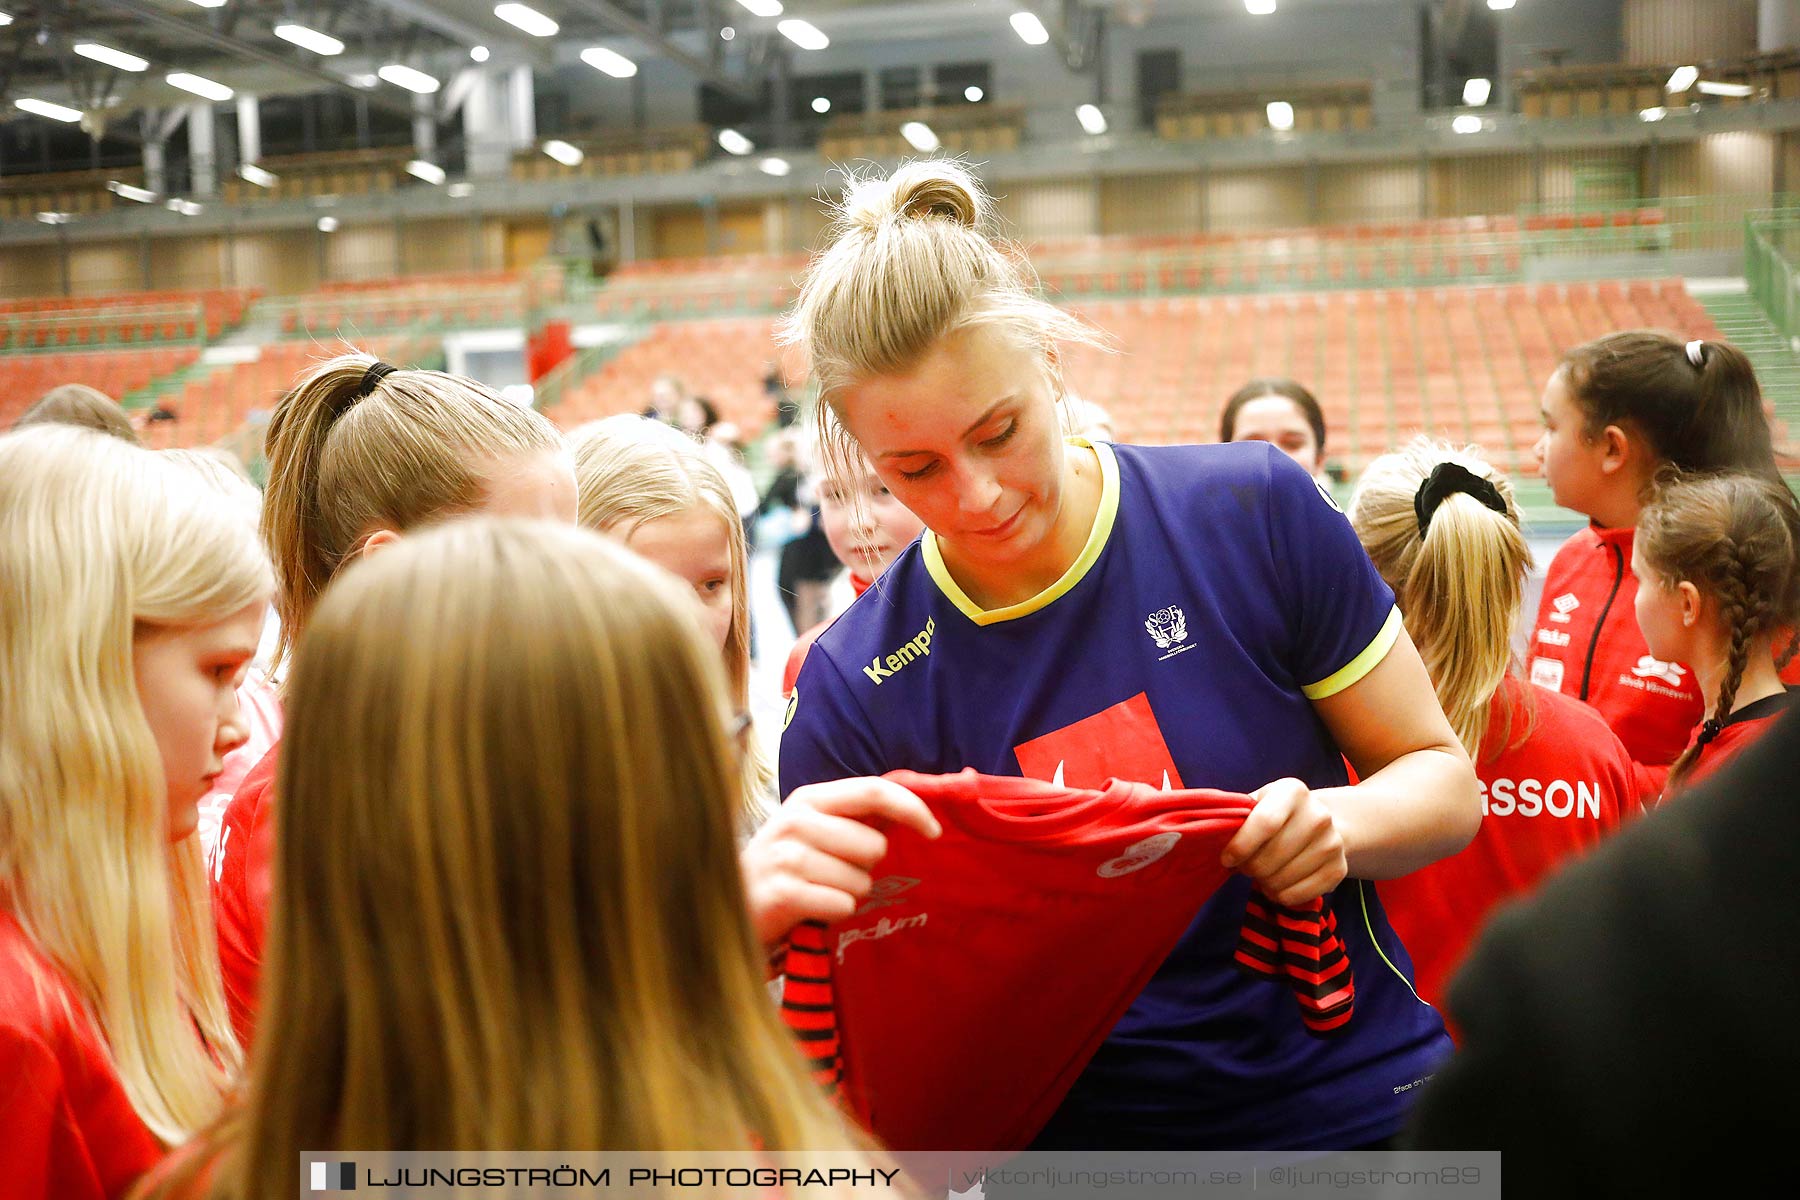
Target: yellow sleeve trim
(1090, 552)
(1362, 664)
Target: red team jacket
(67, 1128)
(1587, 644)
(1544, 799)
(240, 888)
(1011, 946)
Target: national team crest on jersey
(1121, 742)
(1167, 627)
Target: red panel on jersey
(1121, 742)
(1072, 898)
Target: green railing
(1620, 238)
(100, 328)
(1771, 251)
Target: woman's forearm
(1421, 807)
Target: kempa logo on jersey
(918, 646)
(1564, 604)
(1553, 637)
(1167, 627)
(1138, 855)
(874, 933)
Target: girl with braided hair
(1717, 588)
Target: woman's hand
(812, 859)
(1290, 844)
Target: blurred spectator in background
(79, 404)
(695, 416)
(666, 395)
(1282, 413)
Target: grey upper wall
(1221, 46)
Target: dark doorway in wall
(1158, 74)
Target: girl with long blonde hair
(651, 487)
(130, 604)
(1442, 527)
(361, 452)
(489, 941)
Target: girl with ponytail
(1442, 527)
(1717, 588)
(361, 452)
(1620, 411)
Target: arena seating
(118, 373)
(213, 405)
(415, 302)
(120, 317)
(1464, 362)
(724, 360)
(1394, 253)
(698, 286)
(1467, 363)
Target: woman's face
(694, 546)
(969, 441)
(187, 681)
(1280, 422)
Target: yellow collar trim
(1090, 552)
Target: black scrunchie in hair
(377, 371)
(1447, 479)
(1709, 731)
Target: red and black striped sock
(808, 1003)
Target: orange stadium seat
(118, 373)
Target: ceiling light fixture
(803, 34)
(110, 57)
(609, 62)
(920, 136)
(309, 39)
(527, 18)
(205, 88)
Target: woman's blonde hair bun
(929, 188)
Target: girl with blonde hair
(1044, 624)
(1442, 527)
(130, 604)
(1718, 573)
(651, 487)
(361, 452)
(482, 941)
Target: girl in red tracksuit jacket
(1717, 588)
(1618, 411)
(1441, 526)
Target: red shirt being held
(67, 1128)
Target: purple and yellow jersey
(1219, 593)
